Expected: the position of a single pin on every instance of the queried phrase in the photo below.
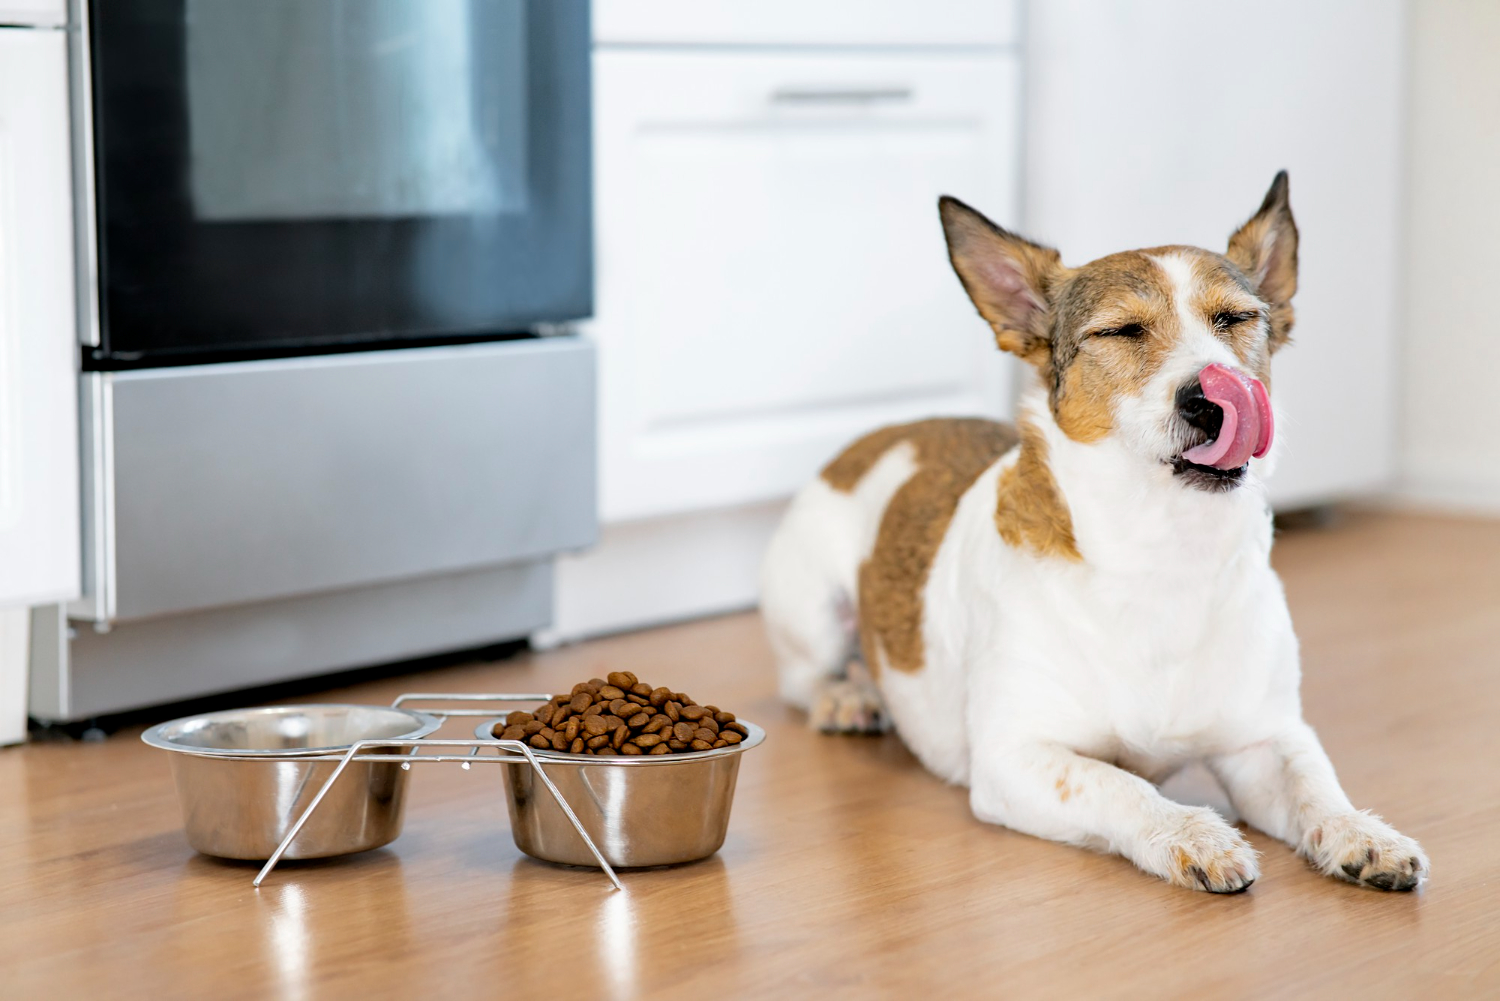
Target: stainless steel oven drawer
(223, 484)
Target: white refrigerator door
(39, 560)
(1163, 121)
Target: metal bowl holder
(359, 751)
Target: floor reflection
(613, 942)
(312, 911)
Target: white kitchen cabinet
(772, 278)
(1137, 136)
(38, 341)
(39, 555)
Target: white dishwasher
(772, 278)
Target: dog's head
(1168, 349)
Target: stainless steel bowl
(242, 786)
(640, 811)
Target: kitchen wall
(1449, 452)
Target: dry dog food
(623, 715)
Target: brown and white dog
(1094, 585)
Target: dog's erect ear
(1265, 249)
(1009, 278)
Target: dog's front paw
(1361, 848)
(1202, 852)
(848, 705)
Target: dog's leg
(1051, 792)
(1286, 787)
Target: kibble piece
(673, 711)
(731, 736)
(683, 731)
(560, 740)
(647, 739)
(611, 693)
(545, 714)
(513, 733)
(599, 741)
(594, 724)
(639, 700)
(580, 688)
(738, 727)
(621, 732)
(692, 712)
(707, 723)
(631, 749)
(722, 717)
(640, 688)
(660, 749)
(659, 697)
(572, 728)
(576, 747)
(704, 733)
(594, 710)
(518, 718)
(701, 745)
(721, 743)
(620, 679)
(533, 728)
(681, 699)
(606, 751)
(537, 740)
(595, 684)
(621, 708)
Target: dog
(1085, 599)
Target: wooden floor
(848, 870)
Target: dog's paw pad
(1205, 853)
(1362, 848)
(849, 706)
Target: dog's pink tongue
(1248, 423)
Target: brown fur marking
(950, 455)
(1030, 509)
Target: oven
(289, 176)
(335, 412)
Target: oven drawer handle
(843, 96)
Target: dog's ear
(1009, 278)
(1265, 249)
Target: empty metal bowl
(640, 811)
(242, 783)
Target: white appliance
(1163, 121)
(772, 282)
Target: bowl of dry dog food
(650, 774)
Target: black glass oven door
(288, 176)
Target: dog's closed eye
(1128, 330)
(1225, 319)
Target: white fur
(1086, 682)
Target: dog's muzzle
(1234, 410)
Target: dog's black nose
(1198, 411)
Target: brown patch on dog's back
(851, 465)
(1030, 510)
(950, 453)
